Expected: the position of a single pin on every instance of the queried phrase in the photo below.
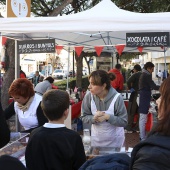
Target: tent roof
(103, 25)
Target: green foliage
(144, 6)
(62, 85)
(128, 73)
(44, 7)
(129, 56)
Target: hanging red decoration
(58, 48)
(140, 49)
(98, 49)
(4, 40)
(2, 63)
(120, 48)
(162, 47)
(78, 50)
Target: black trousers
(132, 110)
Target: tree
(8, 77)
(80, 65)
(54, 60)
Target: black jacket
(4, 130)
(116, 161)
(146, 82)
(10, 163)
(133, 81)
(54, 149)
(152, 154)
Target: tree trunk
(9, 75)
(79, 70)
(57, 10)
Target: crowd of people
(42, 111)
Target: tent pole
(73, 63)
(165, 63)
(108, 38)
(17, 63)
(68, 66)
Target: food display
(18, 136)
(98, 151)
(16, 146)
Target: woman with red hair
(26, 105)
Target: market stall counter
(16, 147)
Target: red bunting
(78, 50)
(58, 48)
(162, 47)
(98, 49)
(120, 48)
(140, 49)
(3, 64)
(4, 40)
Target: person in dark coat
(10, 163)
(4, 129)
(37, 78)
(117, 161)
(154, 152)
(146, 84)
(165, 74)
(133, 86)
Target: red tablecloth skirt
(76, 110)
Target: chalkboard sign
(149, 39)
(36, 46)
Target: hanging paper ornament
(58, 48)
(4, 39)
(162, 47)
(78, 50)
(140, 49)
(120, 48)
(98, 49)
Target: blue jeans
(142, 124)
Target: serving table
(16, 147)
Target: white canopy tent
(103, 25)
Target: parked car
(72, 73)
(85, 72)
(59, 74)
